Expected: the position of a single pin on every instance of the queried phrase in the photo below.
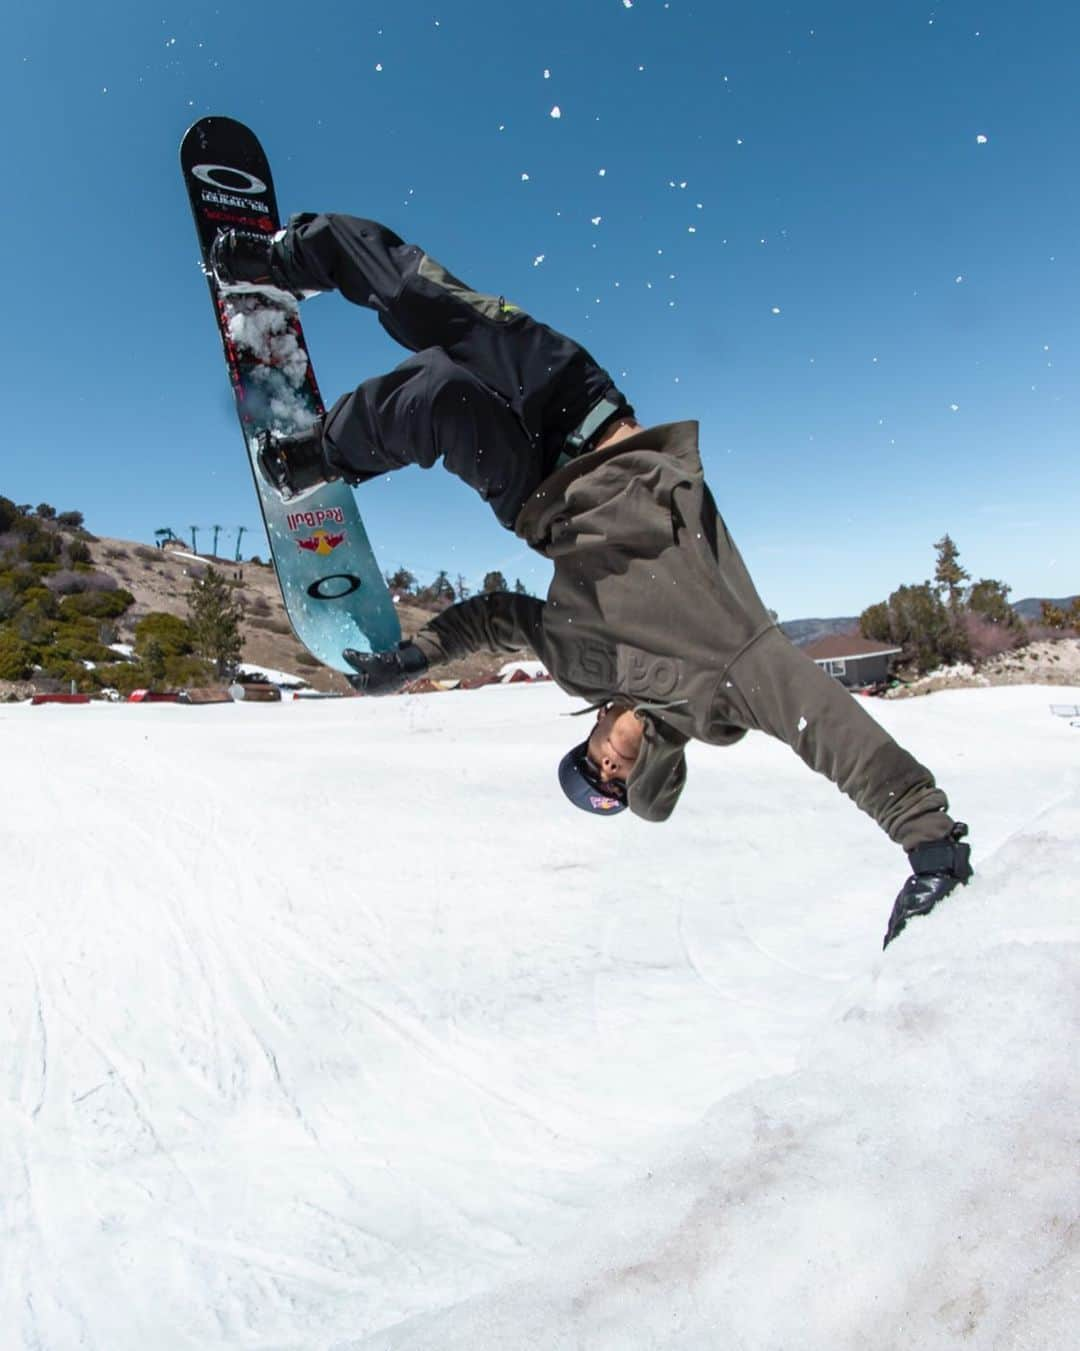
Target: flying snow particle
(378, 65)
(628, 4)
(954, 408)
(556, 112)
(980, 139)
(803, 724)
(538, 260)
(547, 74)
(691, 229)
(596, 219)
(601, 172)
(738, 140)
(776, 309)
(959, 279)
(524, 178)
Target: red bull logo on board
(321, 542)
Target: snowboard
(333, 590)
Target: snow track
(321, 1020)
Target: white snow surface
(331, 1025)
(275, 677)
(533, 669)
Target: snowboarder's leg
(551, 382)
(427, 407)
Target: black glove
(936, 869)
(385, 672)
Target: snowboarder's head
(594, 775)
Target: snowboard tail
(333, 589)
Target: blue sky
(800, 240)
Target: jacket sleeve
(498, 621)
(786, 695)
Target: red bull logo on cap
(321, 542)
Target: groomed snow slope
(330, 1026)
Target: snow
(533, 669)
(268, 673)
(330, 1025)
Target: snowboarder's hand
(936, 869)
(385, 672)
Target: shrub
(65, 582)
(77, 550)
(17, 658)
(987, 638)
(66, 672)
(99, 604)
(41, 600)
(72, 644)
(146, 555)
(272, 626)
(174, 635)
(70, 520)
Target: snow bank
(912, 1185)
(330, 1025)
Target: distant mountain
(803, 631)
(1031, 607)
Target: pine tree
(214, 614)
(948, 574)
(402, 582)
(494, 581)
(154, 663)
(990, 599)
(519, 587)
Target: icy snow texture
(332, 1025)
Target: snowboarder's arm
(498, 621)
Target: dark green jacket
(651, 601)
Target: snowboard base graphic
(333, 589)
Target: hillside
(66, 594)
(159, 579)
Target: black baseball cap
(581, 782)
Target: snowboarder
(651, 615)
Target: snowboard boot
(294, 463)
(239, 259)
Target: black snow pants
(489, 388)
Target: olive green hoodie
(651, 603)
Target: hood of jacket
(650, 601)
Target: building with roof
(854, 661)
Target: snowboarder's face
(615, 742)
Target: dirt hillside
(160, 579)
